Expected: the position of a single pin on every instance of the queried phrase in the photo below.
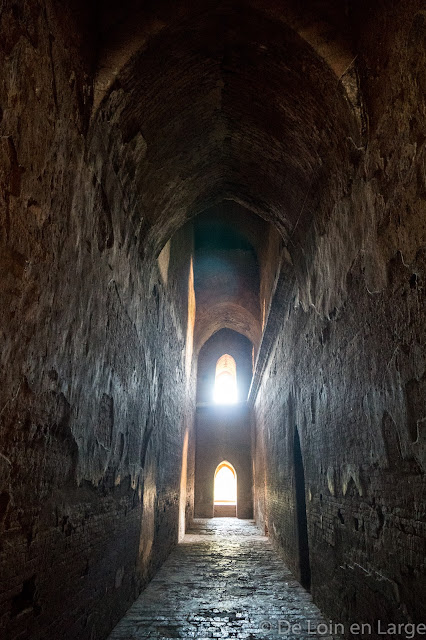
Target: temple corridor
(212, 318)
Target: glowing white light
(225, 387)
(225, 486)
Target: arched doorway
(302, 523)
(225, 385)
(225, 490)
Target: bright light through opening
(225, 389)
(225, 485)
(225, 386)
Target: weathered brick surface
(95, 395)
(119, 122)
(365, 504)
(347, 367)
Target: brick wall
(95, 394)
(347, 364)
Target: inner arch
(225, 484)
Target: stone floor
(223, 581)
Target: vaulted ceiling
(254, 103)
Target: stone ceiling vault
(237, 102)
(226, 103)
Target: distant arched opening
(225, 490)
(225, 384)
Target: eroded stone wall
(348, 365)
(95, 394)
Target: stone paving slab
(223, 581)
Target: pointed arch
(225, 384)
(225, 484)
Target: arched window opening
(225, 485)
(225, 385)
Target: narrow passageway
(223, 581)
(212, 314)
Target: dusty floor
(224, 581)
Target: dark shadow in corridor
(302, 524)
